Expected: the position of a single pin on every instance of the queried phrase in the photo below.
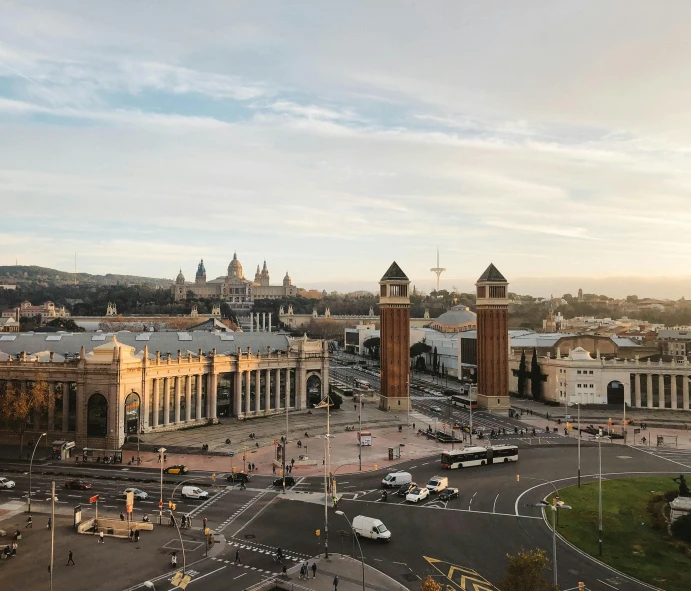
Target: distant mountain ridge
(33, 274)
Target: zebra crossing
(240, 510)
(681, 457)
(260, 550)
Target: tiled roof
(394, 272)
(491, 275)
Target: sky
(550, 138)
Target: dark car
(448, 493)
(405, 489)
(238, 477)
(290, 481)
(176, 469)
(78, 485)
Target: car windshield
(389, 477)
(434, 483)
(381, 528)
(415, 492)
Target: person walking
(273, 469)
(136, 535)
(237, 557)
(29, 523)
(50, 523)
(174, 560)
(70, 559)
(100, 538)
(314, 570)
(302, 571)
(336, 583)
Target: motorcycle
(384, 496)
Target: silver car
(6, 483)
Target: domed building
(233, 288)
(457, 319)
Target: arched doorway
(314, 385)
(132, 409)
(97, 416)
(615, 392)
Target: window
(579, 372)
(97, 416)
(591, 372)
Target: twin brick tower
(492, 340)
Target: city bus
(361, 384)
(463, 401)
(478, 456)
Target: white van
(369, 527)
(437, 484)
(396, 479)
(194, 492)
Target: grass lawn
(631, 542)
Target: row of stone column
(65, 406)
(173, 384)
(242, 400)
(661, 391)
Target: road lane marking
(494, 507)
(242, 575)
(612, 586)
(471, 500)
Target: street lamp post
(555, 508)
(599, 496)
(31, 463)
(52, 532)
(161, 451)
(362, 558)
(360, 435)
(471, 391)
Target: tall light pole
(52, 532)
(554, 507)
(31, 463)
(599, 496)
(161, 451)
(362, 558)
(471, 391)
(360, 434)
(579, 444)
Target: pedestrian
(165, 459)
(174, 560)
(273, 469)
(70, 559)
(136, 536)
(237, 557)
(159, 458)
(100, 537)
(336, 583)
(122, 516)
(131, 536)
(314, 570)
(413, 426)
(204, 522)
(29, 523)
(50, 522)
(292, 461)
(302, 571)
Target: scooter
(384, 496)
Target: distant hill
(34, 275)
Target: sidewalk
(349, 573)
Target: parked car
(78, 485)
(405, 489)
(194, 492)
(238, 477)
(139, 495)
(417, 494)
(6, 483)
(290, 481)
(437, 483)
(176, 469)
(448, 494)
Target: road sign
(160, 504)
(93, 499)
(231, 454)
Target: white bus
(361, 384)
(478, 456)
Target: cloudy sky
(552, 138)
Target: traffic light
(318, 533)
(173, 506)
(581, 586)
(554, 501)
(213, 477)
(518, 477)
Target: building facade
(493, 341)
(394, 345)
(233, 287)
(106, 387)
(27, 310)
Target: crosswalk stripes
(265, 549)
(240, 511)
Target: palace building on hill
(233, 288)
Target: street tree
(419, 348)
(18, 406)
(535, 377)
(522, 375)
(429, 584)
(372, 346)
(525, 572)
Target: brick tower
(394, 335)
(493, 341)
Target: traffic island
(636, 538)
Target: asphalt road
(467, 536)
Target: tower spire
(438, 270)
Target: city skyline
(145, 141)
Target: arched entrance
(314, 385)
(132, 409)
(97, 416)
(615, 392)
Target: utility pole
(579, 445)
(52, 532)
(360, 435)
(599, 495)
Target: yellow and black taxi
(176, 469)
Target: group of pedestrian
(305, 570)
(289, 468)
(253, 435)
(299, 444)
(165, 458)
(251, 467)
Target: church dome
(235, 268)
(180, 279)
(457, 315)
(287, 280)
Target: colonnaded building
(104, 387)
(233, 287)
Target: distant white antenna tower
(75, 268)
(438, 270)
